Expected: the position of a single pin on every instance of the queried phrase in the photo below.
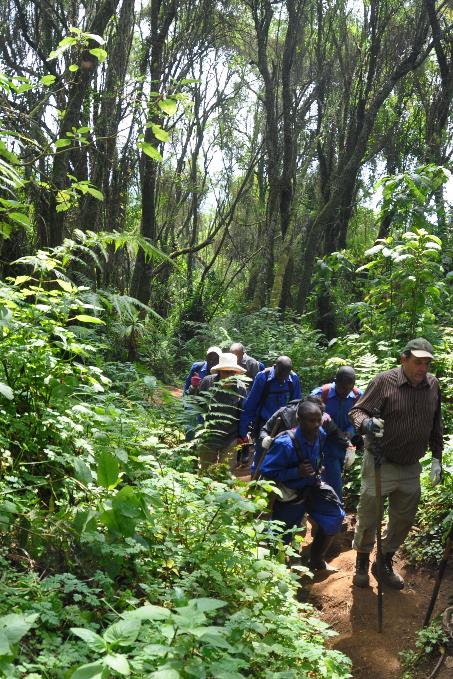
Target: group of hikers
(304, 444)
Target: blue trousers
(333, 469)
(328, 515)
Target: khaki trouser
(401, 484)
(210, 455)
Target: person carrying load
(293, 461)
(272, 388)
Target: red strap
(326, 389)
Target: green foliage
(13, 212)
(430, 640)
(267, 334)
(408, 291)
(12, 628)
(434, 518)
(156, 570)
(407, 197)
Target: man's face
(223, 374)
(344, 388)
(415, 368)
(282, 371)
(310, 423)
(212, 359)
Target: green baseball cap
(420, 348)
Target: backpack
(296, 446)
(326, 389)
(289, 495)
(267, 388)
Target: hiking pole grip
(274, 431)
(380, 511)
(439, 576)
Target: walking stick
(439, 576)
(380, 511)
(274, 431)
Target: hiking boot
(386, 574)
(362, 563)
(319, 546)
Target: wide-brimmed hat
(420, 348)
(228, 362)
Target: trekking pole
(274, 431)
(439, 576)
(380, 512)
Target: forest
(180, 174)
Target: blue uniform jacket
(338, 409)
(279, 395)
(282, 461)
(197, 367)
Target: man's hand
(349, 457)
(374, 426)
(266, 442)
(305, 470)
(436, 472)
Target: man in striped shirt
(408, 402)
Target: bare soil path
(352, 613)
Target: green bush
(147, 568)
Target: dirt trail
(352, 613)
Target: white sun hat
(228, 362)
(214, 350)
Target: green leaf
(127, 503)
(62, 142)
(21, 279)
(148, 612)
(118, 663)
(8, 393)
(5, 648)
(107, 469)
(15, 626)
(204, 604)
(159, 132)
(82, 471)
(94, 192)
(20, 218)
(94, 670)
(73, 68)
(94, 36)
(151, 151)
(99, 53)
(83, 318)
(123, 633)
(48, 79)
(93, 640)
(168, 106)
(5, 229)
(165, 674)
(66, 285)
(150, 381)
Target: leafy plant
(408, 288)
(429, 640)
